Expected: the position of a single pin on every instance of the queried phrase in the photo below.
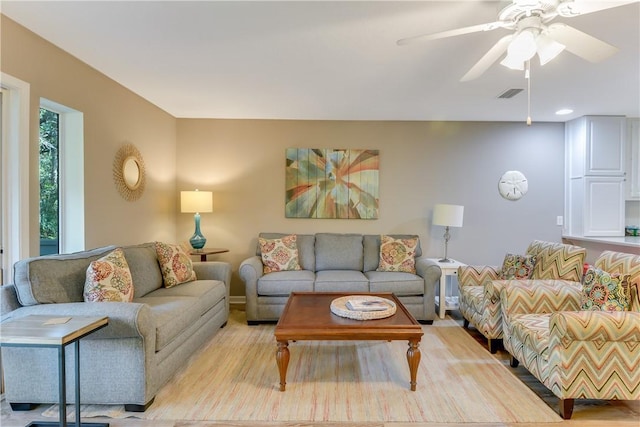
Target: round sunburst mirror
(128, 172)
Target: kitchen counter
(595, 245)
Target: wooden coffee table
(307, 316)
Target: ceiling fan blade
(571, 8)
(451, 33)
(581, 44)
(488, 59)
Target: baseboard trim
(237, 300)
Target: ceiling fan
(533, 33)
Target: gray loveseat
(337, 263)
(144, 344)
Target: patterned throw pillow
(398, 254)
(109, 279)
(517, 267)
(279, 254)
(175, 264)
(602, 291)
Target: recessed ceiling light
(564, 111)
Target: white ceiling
(332, 60)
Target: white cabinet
(633, 159)
(603, 212)
(595, 153)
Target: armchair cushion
(602, 291)
(517, 266)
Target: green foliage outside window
(49, 174)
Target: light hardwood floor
(630, 412)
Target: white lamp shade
(448, 215)
(196, 201)
(548, 48)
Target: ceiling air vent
(509, 93)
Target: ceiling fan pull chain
(528, 77)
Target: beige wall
(113, 116)
(421, 164)
(242, 162)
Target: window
(61, 179)
(49, 182)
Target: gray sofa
(337, 263)
(144, 344)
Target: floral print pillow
(279, 254)
(175, 264)
(517, 267)
(398, 254)
(109, 279)
(602, 291)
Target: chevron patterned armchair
(480, 285)
(577, 354)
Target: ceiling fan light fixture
(522, 48)
(548, 48)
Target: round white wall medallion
(513, 185)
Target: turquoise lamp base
(197, 240)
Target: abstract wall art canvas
(332, 183)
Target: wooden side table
(207, 251)
(54, 332)
(449, 269)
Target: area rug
(235, 378)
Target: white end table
(55, 332)
(448, 269)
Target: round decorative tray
(339, 307)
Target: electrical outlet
(559, 220)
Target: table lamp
(447, 216)
(196, 202)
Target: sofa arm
(126, 319)
(539, 296)
(600, 326)
(251, 269)
(8, 300)
(213, 270)
(428, 269)
(476, 275)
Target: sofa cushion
(175, 264)
(282, 283)
(602, 291)
(517, 267)
(397, 282)
(109, 279)
(306, 248)
(145, 271)
(623, 263)
(341, 281)
(339, 252)
(557, 261)
(175, 309)
(279, 254)
(54, 278)
(398, 254)
(371, 246)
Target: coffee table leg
(413, 357)
(282, 358)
